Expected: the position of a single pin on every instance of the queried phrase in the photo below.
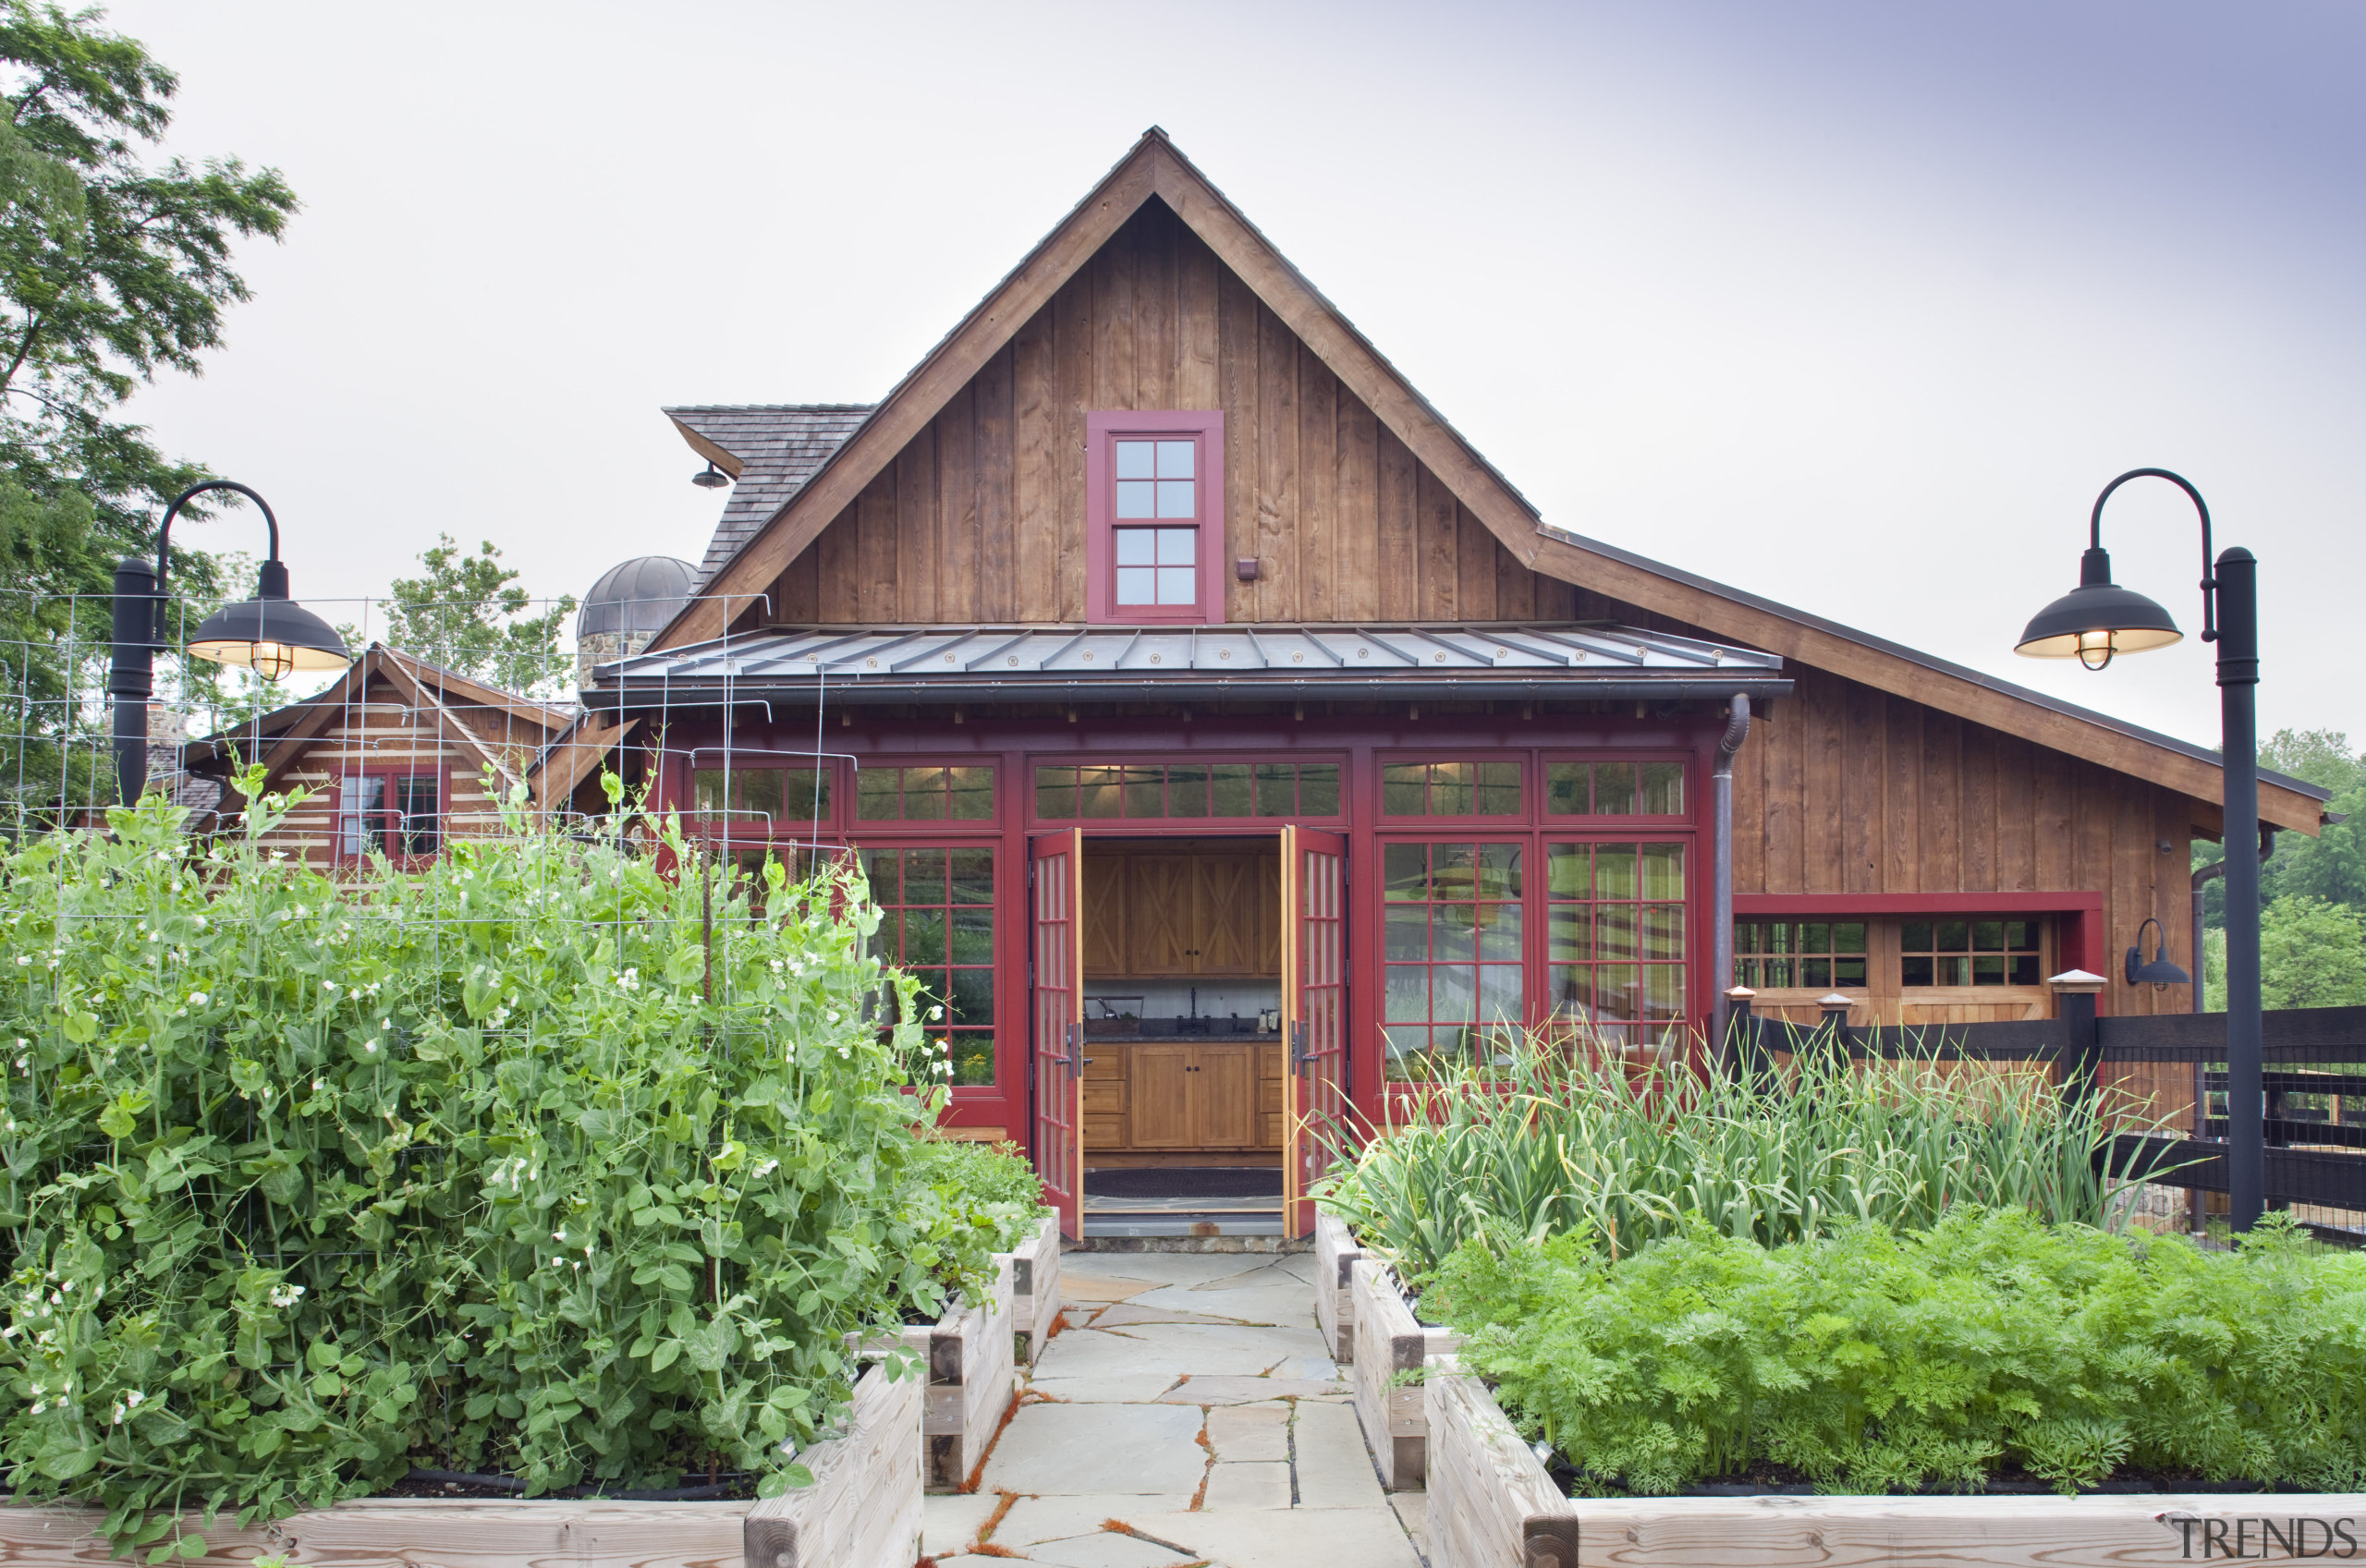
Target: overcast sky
(1856, 306)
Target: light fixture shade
(2159, 972)
(711, 478)
(2097, 620)
(271, 637)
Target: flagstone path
(1186, 1415)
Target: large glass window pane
(1228, 786)
(1318, 789)
(1450, 789)
(1570, 935)
(1614, 789)
(1404, 789)
(1405, 871)
(1663, 789)
(1145, 791)
(1099, 792)
(1662, 870)
(973, 1058)
(1277, 789)
(1055, 793)
(924, 880)
(1186, 791)
(1499, 931)
(1498, 789)
(972, 791)
(1568, 788)
(973, 875)
(1406, 931)
(1613, 870)
(418, 802)
(1408, 993)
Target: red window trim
(1529, 815)
(2078, 939)
(1100, 548)
(1194, 827)
(1546, 816)
(390, 772)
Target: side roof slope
(770, 450)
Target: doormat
(1186, 1181)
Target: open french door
(1314, 1008)
(1055, 1059)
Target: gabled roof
(1154, 167)
(770, 450)
(1240, 661)
(277, 738)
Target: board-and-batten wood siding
(1843, 789)
(982, 518)
(382, 730)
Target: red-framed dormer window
(1155, 511)
(398, 812)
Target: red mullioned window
(398, 812)
(1155, 511)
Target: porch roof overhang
(1237, 662)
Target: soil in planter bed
(432, 1484)
(1767, 1480)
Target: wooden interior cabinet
(1182, 1095)
(1153, 914)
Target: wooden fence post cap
(1835, 1000)
(1740, 994)
(2076, 981)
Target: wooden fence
(2173, 1066)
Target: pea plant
(554, 1158)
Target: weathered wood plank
(1862, 788)
(875, 535)
(1035, 474)
(1334, 1298)
(1438, 551)
(1239, 375)
(1356, 552)
(1278, 487)
(1072, 338)
(997, 504)
(1474, 567)
(1391, 1351)
(956, 490)
(1318, 476)
(1398, 562)
(864, 1510)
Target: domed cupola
(628, 606)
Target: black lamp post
(2097, 620)
(270, 634)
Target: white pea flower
(133, 1398)
(558, 1235)
(328, 985)
(197, 999)
(370, 1048)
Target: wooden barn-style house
(398, 758)
(1222, 734)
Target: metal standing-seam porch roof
(1237, 662)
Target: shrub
(530, 1162)
(1874, 1360)
(1547, 1139)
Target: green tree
(112, 268)
(468, 614)
(2311, 953)
(2332, 866)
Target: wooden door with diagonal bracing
(1314, 1004)
(1056, 1054)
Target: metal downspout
(1736, 731)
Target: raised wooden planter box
(1335, 1311)
(1035, 1290)
(1492, 1505)
(969, 1354)
(1392, 1349)
(863, 1511)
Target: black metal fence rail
(2077, 1046)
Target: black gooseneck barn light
(270, 634)
(2096, 621)
(2160, 971)
(711, 477)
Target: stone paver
(1188, 1412)
(1052, 1449)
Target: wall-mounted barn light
(711, 478)
(2160, 971)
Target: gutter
(857, 692)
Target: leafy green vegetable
(514, 1163)
(1876, 1361)
(1547, 1139)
